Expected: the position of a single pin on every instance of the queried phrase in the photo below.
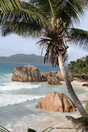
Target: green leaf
(3, 129)
(9, 5)
(22, 29)
(79, 37)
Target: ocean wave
(17, 85)
(6, 75)
(6, 99)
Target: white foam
(5, 77)
(6, 99)
(17, 85)
(8, 75)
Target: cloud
(75, 52)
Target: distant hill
(23, 58)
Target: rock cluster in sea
(57, 102)
(29, 73)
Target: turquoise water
(18, 100)
(6, 68)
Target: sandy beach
(63, 125)
(76, 83)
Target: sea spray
(6, 99)
(17, 85)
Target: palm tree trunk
(69, 86)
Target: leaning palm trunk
(69, 86)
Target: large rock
(27, 73)
(60, 77)
(44, 76)
(53, 80)
(57, 102)
(52, 77)
(56, 74)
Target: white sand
(76, 83)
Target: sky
(14, 44)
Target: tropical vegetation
(3, 129)
(53, 20)
(79, 68)
(81, 123)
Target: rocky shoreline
(62, 125)
(32, 74)
(29, 73)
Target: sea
(18, 101)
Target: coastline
(62, 124)
(83, 97)
(29, 116)
(76, 83)
(68, 126)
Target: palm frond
(80, 123)
(3, 129)
(9, 5)
(66, 10)
(69, 10)
(25, 21)
(79, 37)
(44, 6)
(49, 129)
(25, 13)
(34, 12)
(53, 42)
(22, 29)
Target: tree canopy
(79, 67)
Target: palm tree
(53, 20)
(10, 5)
(3, 129)
(80, 123)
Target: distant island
(23, 58)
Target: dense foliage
(79, 67)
